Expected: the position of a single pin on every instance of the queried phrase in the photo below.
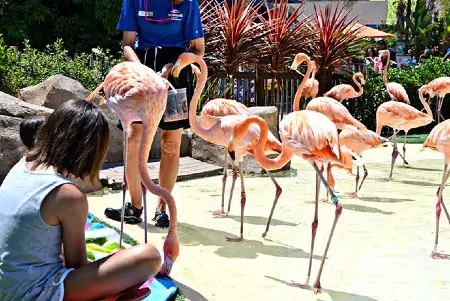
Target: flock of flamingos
(137, 93)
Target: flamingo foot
(317, 288)
(324, 200)
(304, 286)
(351, 194)
(218, 212)
(239, 239)
(264, 234)
(436, 255)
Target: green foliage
(30, 67)
(364, 108)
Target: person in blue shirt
(155, 33)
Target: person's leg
(113, 274)
(168, 168)
(133, 211)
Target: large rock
(54, 91)
(208, 152)
(12, 111)
(270, 115)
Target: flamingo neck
(299, 92)
(266, 163)
(358, 84)
(201, 81)
(424, 103)
(314, 70)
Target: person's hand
(164, 73)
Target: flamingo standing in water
(345, 91)
(439, 87)
(400, 116)
(221, 132)
(312, 136)
(137, 93)
(439, 140)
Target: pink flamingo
(312, 136)
(221, 133)
(312, 84)
(400, 116)
(439, 87)
(136, 93)
(439, 140)
(345, 91)
(359, 141)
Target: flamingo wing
(341, 92)
(397, 92)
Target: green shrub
(364, 108)
(30, 67)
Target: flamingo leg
(224, 182)
(275, 201)
(338, 212)
(314, 226)
(235, 175)
(441, 101)
(404, 150)
(366, 173)
(355, 193)
(440, 202)
(124, 183)
(395, 153)
(243, 201)
(144, 198)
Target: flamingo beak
(294, 65)
(167, 265)
(176, 69)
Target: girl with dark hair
(43, 212)
(29, 128)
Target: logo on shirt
(176, 15)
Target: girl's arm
(72, 211)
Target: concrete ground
(380, 250)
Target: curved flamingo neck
(201, 81)
(266, 163)
(300, 88)
(424, 103)
(358, 84)
(314, 70)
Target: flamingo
(359, 141)
(400, 116)
(440, 87)
(312, 136)
(312, 84)
(137, 93)
(396, 92)
(221, 132)
(345, 91)
(439, 140)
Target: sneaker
(162, 220)
(157, 213)
(115, 214)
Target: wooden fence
(254, 88)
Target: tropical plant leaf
(338, 37)
(287, 35)
(232, 36)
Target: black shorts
(164, 56)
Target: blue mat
(163, 288)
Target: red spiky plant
(287, 36)
(338, 40)
(232, 36)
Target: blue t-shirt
(186, 23)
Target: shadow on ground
(261, 221)
(190, 293)
(383, 200)
(191, 235)
(335, 295)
